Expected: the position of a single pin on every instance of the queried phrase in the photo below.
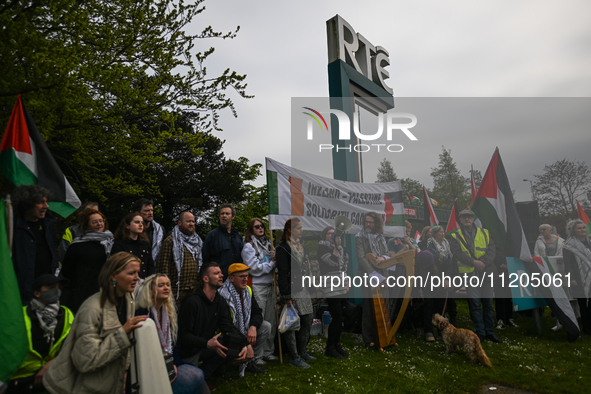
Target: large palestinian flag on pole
(496, 208)
(26, 160)
(317, 201)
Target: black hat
(47, 280)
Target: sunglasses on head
(257, 226)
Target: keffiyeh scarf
(105, 238)
(163, 329)
(443, 248)
(240, 310)
(375, 241)
(342, 256)
(47, 315)
(180, 241)
(583, 257)
(157, 240)
(262, 246)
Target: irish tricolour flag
(496, 208)
(25, 160)
(317, 200)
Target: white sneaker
(260, 362)
(500, 324)
(511, 323)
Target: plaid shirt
(189, 270)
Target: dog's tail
(483, 358)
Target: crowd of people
(214, 301)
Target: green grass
(541, 364)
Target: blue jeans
(483, 319)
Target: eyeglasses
(257, 226)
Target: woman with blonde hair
(547, 243)
(95, 355)
(155, 301)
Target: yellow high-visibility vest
(34, 362)
(481, 241)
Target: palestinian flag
(417, 237)
(583, 216)
(14, 346)
(25, 160)
(415, 200)
(496, 208)
(558, 301)
(452, 225)
(429, 213)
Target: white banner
(316, 200)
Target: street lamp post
(531, 184)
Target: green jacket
(34, 362)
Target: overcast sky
(452, 49)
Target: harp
(384, 310)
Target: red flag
(429, 211)
(417, 237)
(452, 225)
(583, 216)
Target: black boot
(341, 351)
(332, 352)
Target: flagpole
(275, 297)
(9, 221)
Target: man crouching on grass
(246, 312)
(200, 317)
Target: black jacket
(224, 248)
(140, 249)
(82, 264)
(199, 320)
(289, 280)
(23, 253)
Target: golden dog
(454, 337)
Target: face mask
(51, 296)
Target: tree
(386, 172)
(411, 187)
(106, 82)
(449, 184)
(560, 185)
